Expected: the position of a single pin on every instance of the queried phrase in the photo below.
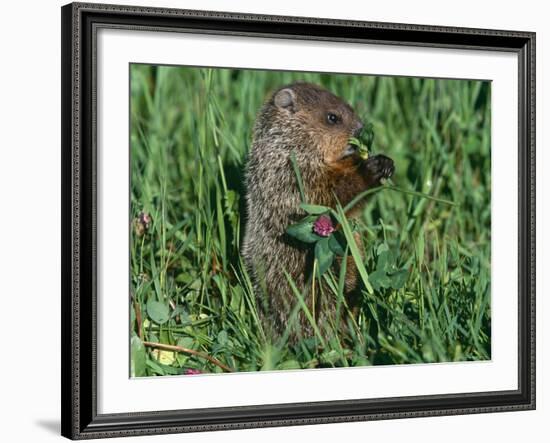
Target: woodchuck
(316, 125)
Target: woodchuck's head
(307, 117)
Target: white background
(30, 218)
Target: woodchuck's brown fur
(316, 125)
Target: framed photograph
(273, 221)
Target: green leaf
(353, 249)
(180, 310)
(157, 311)
(137, 358)
(314, 209)
(355, 141)
(337, 243)
(330, 357)
(369, 135)
(270, 357)
(186, 342)
(162, 369)
(381, 248)
(230, 199)
(184, 278)
(290, 364)
(379, 279)
(303, 231)
(385, 261)
(399, 278)
(222, 337)
(324, 256)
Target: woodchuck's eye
(332, 119)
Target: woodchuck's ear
(286, 99)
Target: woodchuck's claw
(379, 167)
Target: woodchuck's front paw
(378, 167)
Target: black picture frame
(79, 171)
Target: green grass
(190, 134)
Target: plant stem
(188, 351)
(363, 194)
(422, 195)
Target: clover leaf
(387, 275)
